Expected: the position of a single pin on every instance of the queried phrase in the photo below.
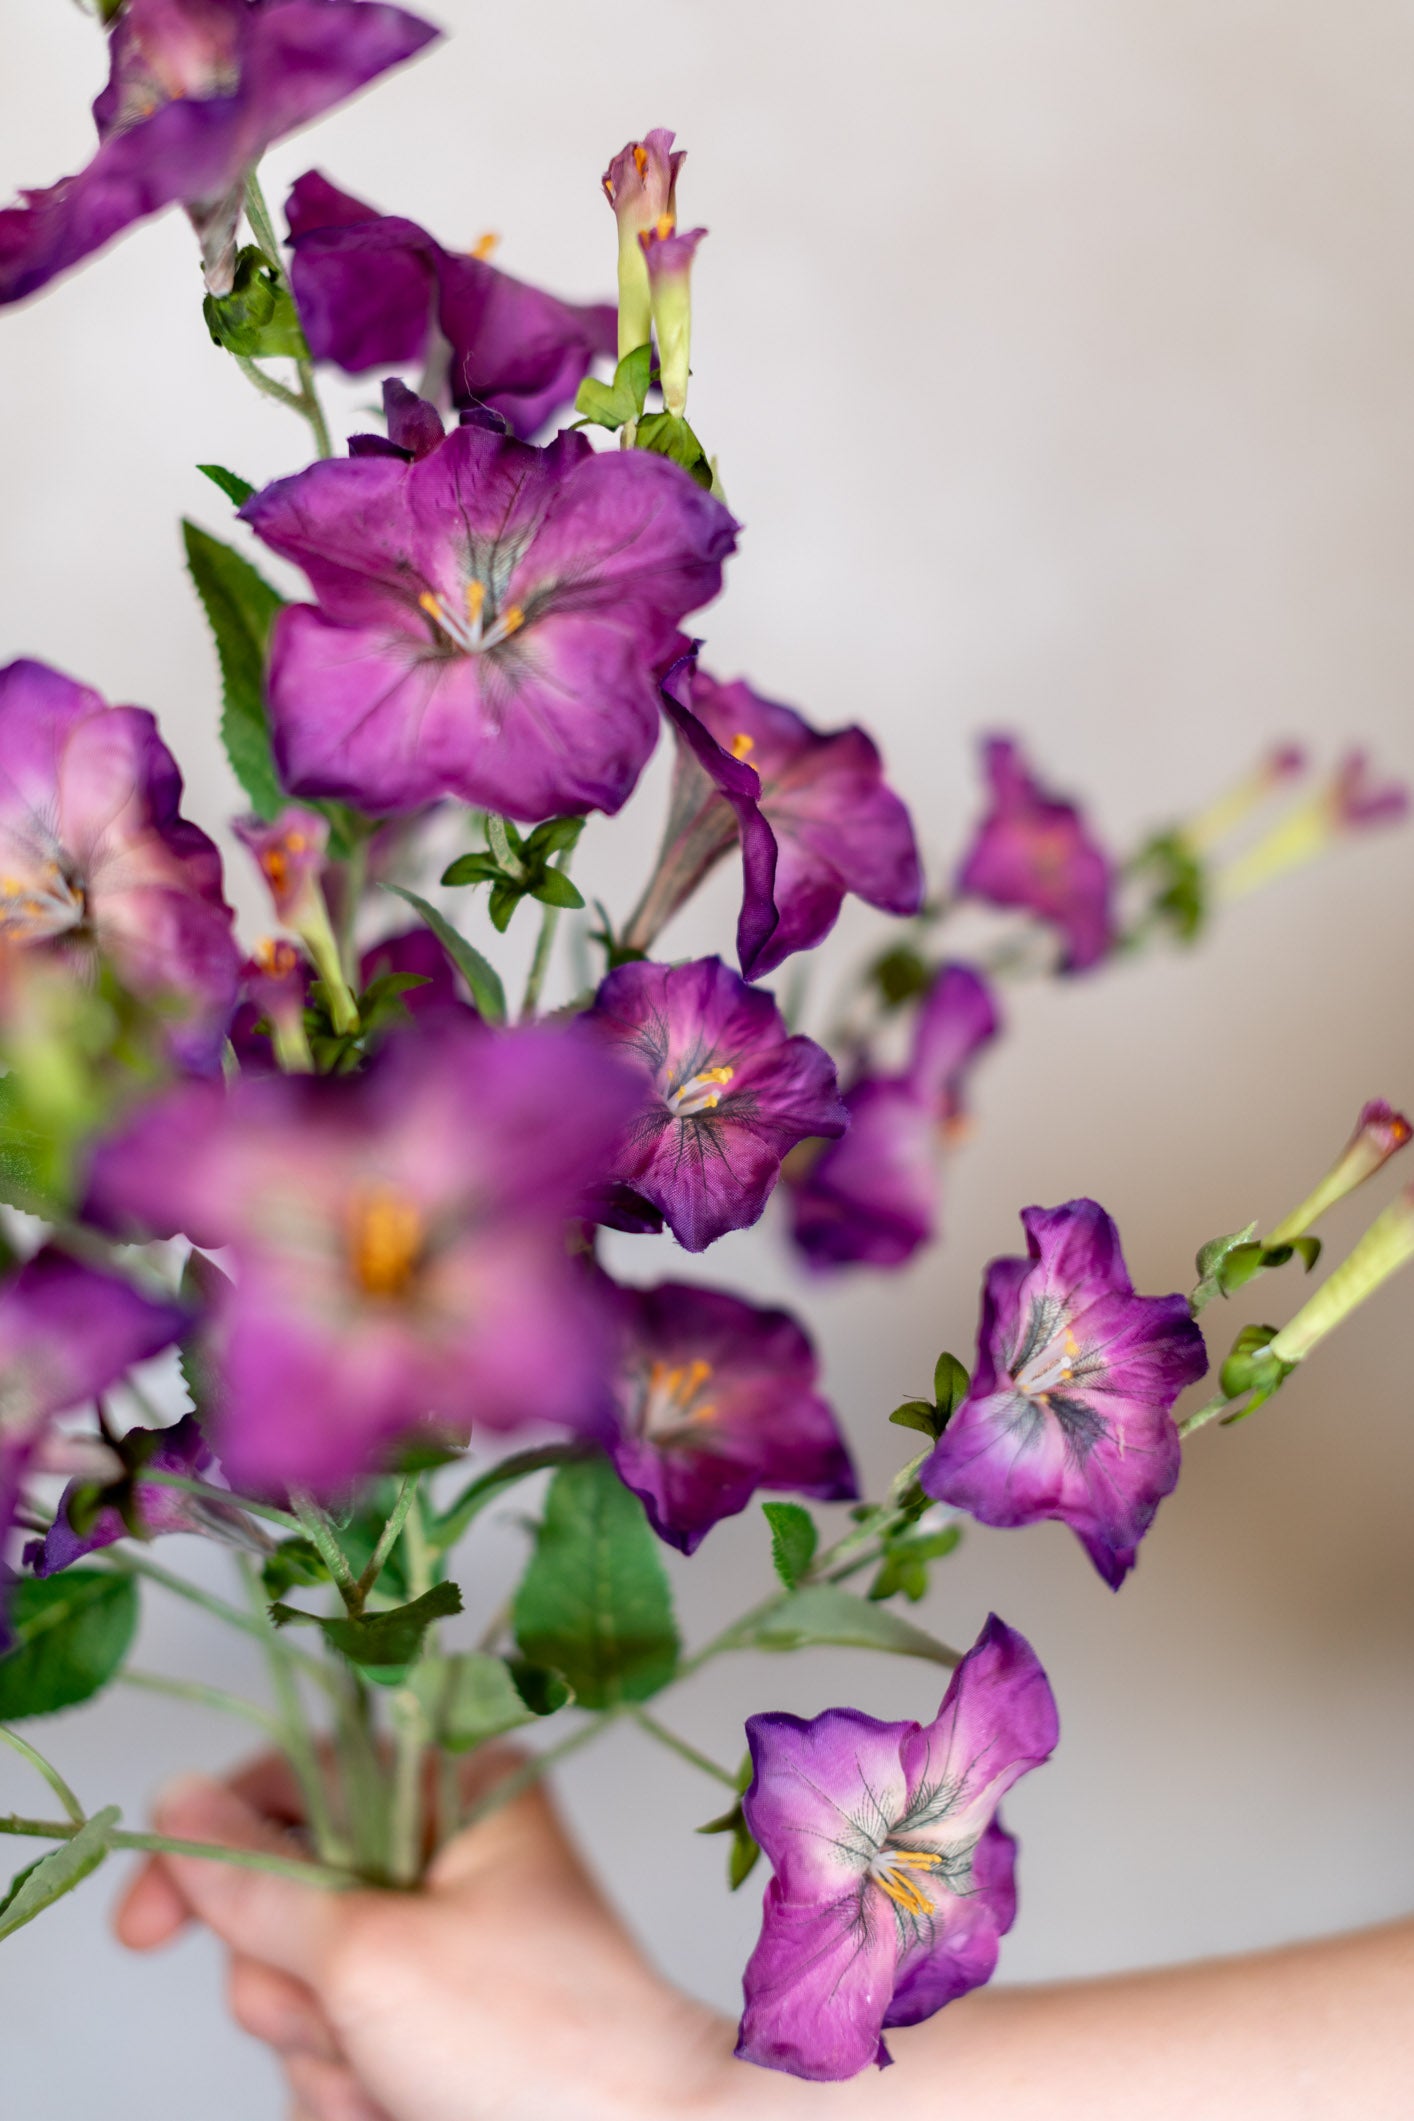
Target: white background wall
(1058, 357)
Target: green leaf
(793, 1540)
(231, 483)
(505, 897)
(901, 975)
(240, 608)
(475, 868)
(295, 1562)
(72, 1632)
(257, 319)
(904, 1567)
(555, 889)
(594, 1602)
(613, 405)
(481, 1697)
(381, 1644)
(824, 1613)
(1249, 1368)
(1241, 1265)
(481, 977)
(558, 835)
(40, 1884)
(918, 1414)
(669, 436)
(447, 1529)
(33, 1161)
(951, 1384)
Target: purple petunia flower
(871, 1199)
(1034, 851)
(491, 619)
(725, 1092)
(67, 1332)
(716, 1399)
(376, 291)
(813, 814)
(95, 854)
(289, 853)
(397, 1240)
(893, 1882)
(1069, 1412)
(641, 185)
(157, 1508)
(197, 90)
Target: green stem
(499, 841)
(295, 1867)
(262, 227)
(137, 1565)
(389, 1536)
(474, 1498)
(292, 1726)
(268, 387)
(317, 1528)
(1203, 1415)
(409, 1716)
(150, 1476)
(680, 1746)
(48, 1770)
(544, 946)
(206, 1697)
(355, 879)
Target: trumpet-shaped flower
(491, 618)
(96, 856)
(1069, 1414)
(1034, 851)
(725, 1092)
(397, 1239)
(151, 1505)
(893, 1882)
(197, 90)
(717, 1398)
(376, 291)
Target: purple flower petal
(1034, 851)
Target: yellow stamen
(664, 226)
(673, 1389)
(275, 957)
(296, 842)
(475, 598)
(386, 1238)
(431, 606)
(903, 1892)
(484, 245)
(742, 745)
(640, 160)
(275, 866)
(512, 619)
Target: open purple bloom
(1069, 1412)
(67, 1332)
(156, 1508)
(716, 1399)
(397, 1240)
(813, 814)
(725, 1092)
(893, 1883)
(376, 291)
(1034, 851)
(491, 621)
(95, 854)
(197, 90)
(871, 1198)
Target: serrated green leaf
(231, 483)
(824, 1613)
(383, 1645)
(793, 1540)
(594, 1602)
(481, 1697)
(240, 608)
(40, 1884)
(481, 976)
(72, 1632)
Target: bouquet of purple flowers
(302, 1242)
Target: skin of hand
(507, 1990)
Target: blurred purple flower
(1034, 851)
(289, 853)
(95, 854)
(276, 983)
(718, 1398)
(813, 814)
(398, 1243)
(157, 1509)
(197, 90)
(893, 1882)
(1069, 1412)
(725, 1092)
(376, 291)
(491, 621)
(871, 1199)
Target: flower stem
(207, 1697)
(389, 1536)
(151, 1476)
(409, 1716)
(138, 1565)
(317, 1528)
(306, 401)
(48, 1770)
(544, 945)
(291, 1724)
(680, 1746)
(295, 1867)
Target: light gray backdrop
(1058, 354)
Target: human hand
(505, 1990)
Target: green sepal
(71, 1634)
(480, 975)
(1179, 884)
(257, 319)
(40, 1884)
(1210, 1261)
(613, 405)
(920, 1414)
(594, 1602)
(240, 608)
(530, 872)
(901, 975)
(1251, 1368)
(556, 889)
(231, 483)
(794, 1539)
(384, 1645)
(904, 1567)
(826, 1614)
(667, 435)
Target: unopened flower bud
(1350, 801)
(1387, 1246)
(1380, 1132)
(1201, 834)
(276, 982)
(641, 186)
(668, 253)
(290, 855)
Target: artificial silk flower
(376, 291)
(276, 982)
(197, 90)
(67, 1332)
(95, 855)
(154, 1508)
(724, 1093)
(717, 1398)
(397, 1240)
(289, 853)
(811, 809)
(491, 618)
(871, 1199)
(893, 1881)
(1069, 1414)
(1034, 851)
(668, 253)
(641, 185)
